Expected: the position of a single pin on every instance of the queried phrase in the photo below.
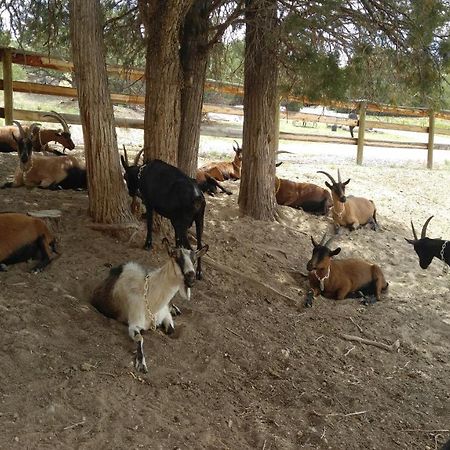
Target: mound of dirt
(248, 366)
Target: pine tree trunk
(194, 57)
(257, 193)
(164, 79)
(108, 199)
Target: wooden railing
(13, 56)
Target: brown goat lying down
(23, 237)
(307, 196)
(222, 171)
(339, 279)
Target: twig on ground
(389, 348)
(264, 445)
(348, 351)
(83, 420)
(235, 273)
(234, 332)
(418, 430)
(359, 327)
(357, 413)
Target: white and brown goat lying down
(140, 298)
(348, 211)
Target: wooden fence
(8, 85)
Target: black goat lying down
(427, 248)
(172, 194)
(23, 237)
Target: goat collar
(441, 254)
(150, 314)
(341, 213)
(140, 171)
(322, 280)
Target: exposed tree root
(389, 348)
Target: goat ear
(202, 251)
(124, 163)
(410, 241)
(335, 252)
(328, 185)
(348, 181)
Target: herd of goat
(141, 298)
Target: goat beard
(185, 292)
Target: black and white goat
(140, 298)
(172, 194)
(427, 248)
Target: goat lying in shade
(351, 212)
(40, 137)
(63, 172)
(222, 171)
(427, 248)
(140, 298)
(209, 184)
(22, 238)
(172, 194)
(338, 279)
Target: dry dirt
(248, 365)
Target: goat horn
(414, 231)
(32, 127)
(19, 126)
(424, 229)
(323, 239)
(328, 175)
(339, 176)
(125, 155)
(136, 160)
(60, 119)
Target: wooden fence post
(361, 131)
(7, 85)
(430, 140)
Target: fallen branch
(234, 332)
(424, 431)
(235, 273)
(389, 348)
(357, 326)
(75, 424)
(113, 226)
(357, 413)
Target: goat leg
(3, 268)
(139, 362)
(8, 184)
(148, 239)
(45, 256)
(309, 299)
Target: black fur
(427, 249)
(172, 194)
(210, 186)
(76, 179)
(5, 147)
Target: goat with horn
(40, 137)
(222, 171)
(140, 298)
(64, 172)
(339, 279)
(348, 211)
(427, 248)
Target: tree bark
(108, 199)
(164, 79)
(257, 193)
(194, 57)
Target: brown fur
(293, 194)
(19, 230)
(222, 171)
(44, 171)
(358, 211)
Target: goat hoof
(169, 330)
(3, 268)
(199, 276)
(175, 311)
(369, 300)
(141, 366)
(148, 246)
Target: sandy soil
(248, 365)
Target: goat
(209, 184)
(64, 172)
(23, 237)
(351, 212)
(307, 196)
(338, 279)
(172, 194)
(40, 137)
(222, 171)
(140, 298)
(352, 115)
(427, 248)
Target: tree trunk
(108, 199)
(257, 190)
(162, 22)
(194, 57)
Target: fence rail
(13, 56)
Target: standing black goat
(172, 194)
(427, 248)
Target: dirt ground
(248, 366)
